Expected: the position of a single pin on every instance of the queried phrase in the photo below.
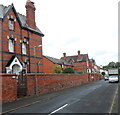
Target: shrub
(57, 69)
(68, 70)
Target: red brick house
(94, 68)
(50, 62)
(21, 40)
(81, 62)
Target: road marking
(26, 105)
(58, 109)
(113, 100)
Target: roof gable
(83, 57)
(4, 10)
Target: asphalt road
(96, 97)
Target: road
(95, 97)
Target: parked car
(106, 77)
(113, 78)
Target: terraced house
(21, 40)
(81, 63)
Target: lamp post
(36, 80)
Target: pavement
(28, 101)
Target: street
(95, 97)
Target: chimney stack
(64, 56)
(30, 14)
(79, 55)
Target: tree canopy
(112, 65)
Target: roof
(4, 10)
(58, 61)
(83, 57)
(11, 60)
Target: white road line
(58, 109)
(110, 111)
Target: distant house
(94, 68)
(81, 62)
(50, 62)
(19, 37)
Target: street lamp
(36, 80)
(35, 49)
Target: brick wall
(80, 67)
(43, 83)
(48, 66)
(9, 87)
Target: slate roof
(4, 10)
(58, 61)
(83, 57)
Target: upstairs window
(11, 25)
(23, 48)
(11, 45)
(11, 22)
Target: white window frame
(11, 45)
(24, 49)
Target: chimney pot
(64, 56)
(79, 55)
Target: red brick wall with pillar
(9, 87)
(53, 82)
(43, 83)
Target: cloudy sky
(90, 26)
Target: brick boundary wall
(43, 83)
(9, 87)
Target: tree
(57, 69)
(103, 73)
(112, 65)
(68, 70)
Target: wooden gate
(22, 86)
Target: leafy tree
(57, 69)
(68, 70)
(112, 65)
(117, 64)
(103, 73)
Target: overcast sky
(90, 26)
